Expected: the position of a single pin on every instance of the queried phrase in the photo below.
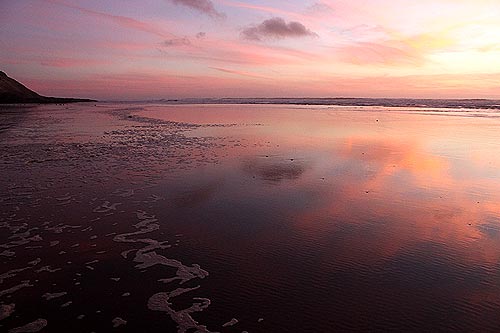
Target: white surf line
(147, 257)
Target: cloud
(265, 9)
(71, 62)
(184, 41)
(365, 53)
(319, 8)
(52, 61)
(203, 6)
(277, 28)
(123, 21)
(201, 35)
(242, 73)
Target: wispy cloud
(264, 9)
(60, 62)
(202, 6)
(71, 62)
(237, 72)
(319, 8)
(184, 41)
(123, 21)
(366, 53)
(277, 28)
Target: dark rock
(13, 92)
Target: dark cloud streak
(203, 6)
(277, 28)
(177, 42)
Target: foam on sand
(232, 322)
(49, 296)
(12, 272)
(71, 175)
(11, 290)
(183, 318)
(34, 326)
(118, 322)
(147, 257)
(6, 310)
(106, 207)
(68, 303)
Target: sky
(149, 49)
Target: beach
(161, 217)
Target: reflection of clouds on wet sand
(403, 195)
(321, 216)
(394, 214)
(383, 214)
(272, 170)
(196, 195)
(403, 154)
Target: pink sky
(125, 50)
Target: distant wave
(383, 102)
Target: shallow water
(258, 218)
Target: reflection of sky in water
(339, 218)
(398, 210)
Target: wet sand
(258, 218)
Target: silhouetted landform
(13, 92)
(341, 101)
